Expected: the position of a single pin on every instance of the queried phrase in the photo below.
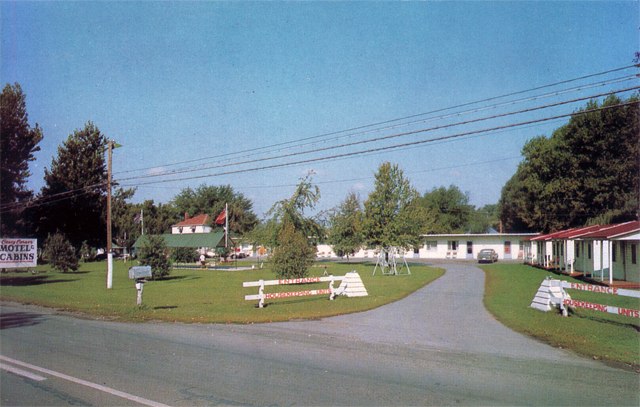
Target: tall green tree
(392, 216)
(212, 199)
(73, 199)
(586, 172)
(345, 234)
(18, 142)
(449, 209)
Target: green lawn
(201, 295)
(510, 288)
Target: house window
(578, 250)
(452, 245)
(634, 259)
(507, 247)
(432, 245)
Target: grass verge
(200, 295)
(510, 288)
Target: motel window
(193, 229)
(416, 250)
(634, 259)
(469, 247)
(180, 229)
(452, 245)
(577, 249)
(507, 247)
(589, 251)
(432, 245)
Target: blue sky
(218, 81)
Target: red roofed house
(197, 224)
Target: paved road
(436, 347)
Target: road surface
(438, 346)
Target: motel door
(469, 250)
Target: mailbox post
(139, 274)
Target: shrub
(59, 252)
(184, 255)
(293, 256)
(154, 253)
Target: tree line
(587, 171)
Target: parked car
(239, 255)
(487, 256)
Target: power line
(387, 148)
(253, 150)
(383, 138)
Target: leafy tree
(74, 195)
(18, 142)
(59, 252)
(292, 209)
(450, 209)
(293, 256)
(483, 219)
(154, 253)
(392, 217)
(586, 172)
(345, 234)
(212, 199)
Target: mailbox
(138, 272)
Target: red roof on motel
(612, 231)
(592, 232)
(198, 220)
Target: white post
(610, 262)
(109, 270)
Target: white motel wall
(454, 246)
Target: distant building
(197, 224)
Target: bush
(154, 253)
(59, 252)
(184, 255)
(293, 256)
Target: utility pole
(110, 146)
(109, 254)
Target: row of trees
(587, 172)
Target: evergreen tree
(73, 199)
(293, 256)
(345, 234)
(18, 142)
(154, 253)
(59, 252)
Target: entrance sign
(551, 294)
(18, 253)
(351, 286)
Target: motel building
(603, 253)
(508, 246)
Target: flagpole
(142, 221)
(226, 226)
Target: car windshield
(486, 251)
